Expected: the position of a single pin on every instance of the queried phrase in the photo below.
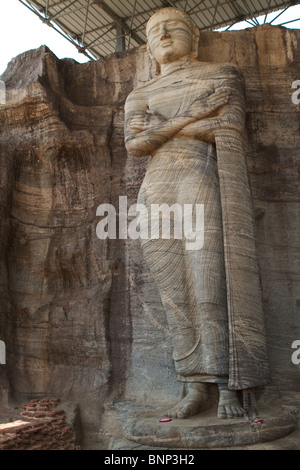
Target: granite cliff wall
(80, 316)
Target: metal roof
(98, 28)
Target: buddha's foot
(195, 401)
(229, 404)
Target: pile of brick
(45, 428)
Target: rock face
(80, 316)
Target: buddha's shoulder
(218, 70)
(142, 89)
(197, 70)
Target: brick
(45, 428)
(41, 446)
(6, 447)
(14, 427)
(33, 431)
(6, 440)
(55, 413)
(28, 406)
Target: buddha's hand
(137, 123)
(146, 121)
(208, 103)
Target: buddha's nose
(163, 31)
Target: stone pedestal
(203, 431)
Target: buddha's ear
(195, 49)
(155, 64)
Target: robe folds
(212, 294)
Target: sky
(22, 30)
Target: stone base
(203, 431)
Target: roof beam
(58, 3)
(62, 33)
(63, 13)
(120, 39)
(131, 23)
(165, 3)
(62, 10)
(118, 21)
(279, 15)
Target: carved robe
(211, 295)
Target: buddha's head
(171, 36)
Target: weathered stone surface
(81, 317)
(289, 442)
(205, 431)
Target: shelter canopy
(99, 28)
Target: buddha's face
(170, 38)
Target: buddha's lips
(166, 43)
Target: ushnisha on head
(171, 36)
